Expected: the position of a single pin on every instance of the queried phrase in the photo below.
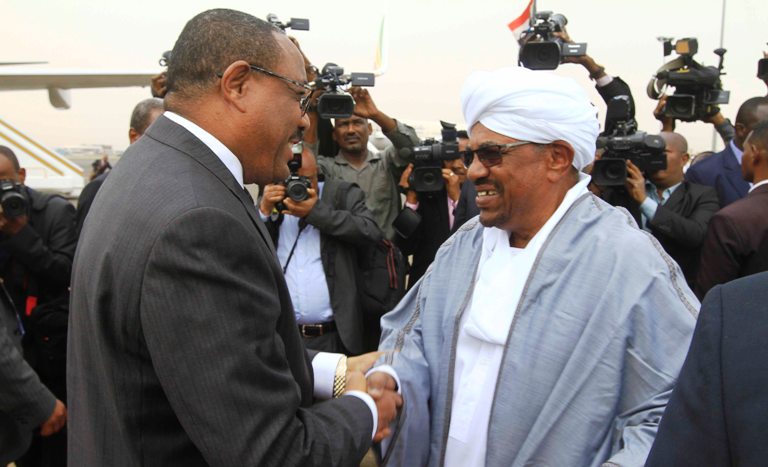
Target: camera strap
(302, 225)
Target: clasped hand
(275, 193)
(380, 386)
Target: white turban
(535, 106)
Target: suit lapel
(176, 136)
(733, 172)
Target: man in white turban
(550, 330)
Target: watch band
(340, 378)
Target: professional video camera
(540, 49)
(13, 202)
(698, 88)
(297, 24)
(296, 185)
(428, 157)
(621, 142)
(335, 101)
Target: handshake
(380, 386)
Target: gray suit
(183, 345)
(25, 403)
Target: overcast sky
(433, 46)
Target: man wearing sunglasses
(550, 329)
(184, 349)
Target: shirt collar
(736, 151)
(764, 182)
(227, 157)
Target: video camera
(296, 185)
(12, 200)
(428, 157)
(698, 88)
(540, 49)
(762, 68)
(297, 24)
(335, 102)
(623, 142)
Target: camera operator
(37, 244)
(316, 240)
(607, 86)
(436, 211)
(723, 170)
(377, 173)
(675, 211)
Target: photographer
(723, 170)
(377, 173)
(36, 250)
(675, 211)
(607, 86)
(436, 213)
(316, 240)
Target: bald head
(675, 141)
(751, 111)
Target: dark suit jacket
(183, 346)
(432, 231)
(25, 403)
(736, 244)
(680, 225)
(723, 172)
(344, 223)
(718, 410)
(85, 200)
(466, 208)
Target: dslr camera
(12, 200)
(335, 102)
(621, 142)
(297, 24)
(698, 88)
(296, 185)
(428, 157)
(540, 49)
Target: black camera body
(12, 200)
(698, 88)
(335, 102)
(624, 143)
(762, 68)
(296, 186)
(297, 24)
(540, 49)
(428, 157)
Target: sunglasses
(490, 155)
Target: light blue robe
(600, 333)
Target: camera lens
(297, 190)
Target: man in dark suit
(723, 170)
(675, 211)
(736, 244)
(436, 210)
(716, 415)
(183, 347)
(316, 241)
(25, 403)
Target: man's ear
(133, 135)
(370, 129)
(560, 158)
(235, 84)
(22, 175)
(686, 158)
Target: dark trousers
(328, 342)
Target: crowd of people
(173, 319)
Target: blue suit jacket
(723, 172)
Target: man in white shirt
(549, 332)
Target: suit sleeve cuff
(324, 367)
(371, 405)
(648, 208)
(388, 370)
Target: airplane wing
(59, 82)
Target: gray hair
(141, 113)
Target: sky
(433, 46)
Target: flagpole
(722, 41)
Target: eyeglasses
(491, 155)
(304, 102)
